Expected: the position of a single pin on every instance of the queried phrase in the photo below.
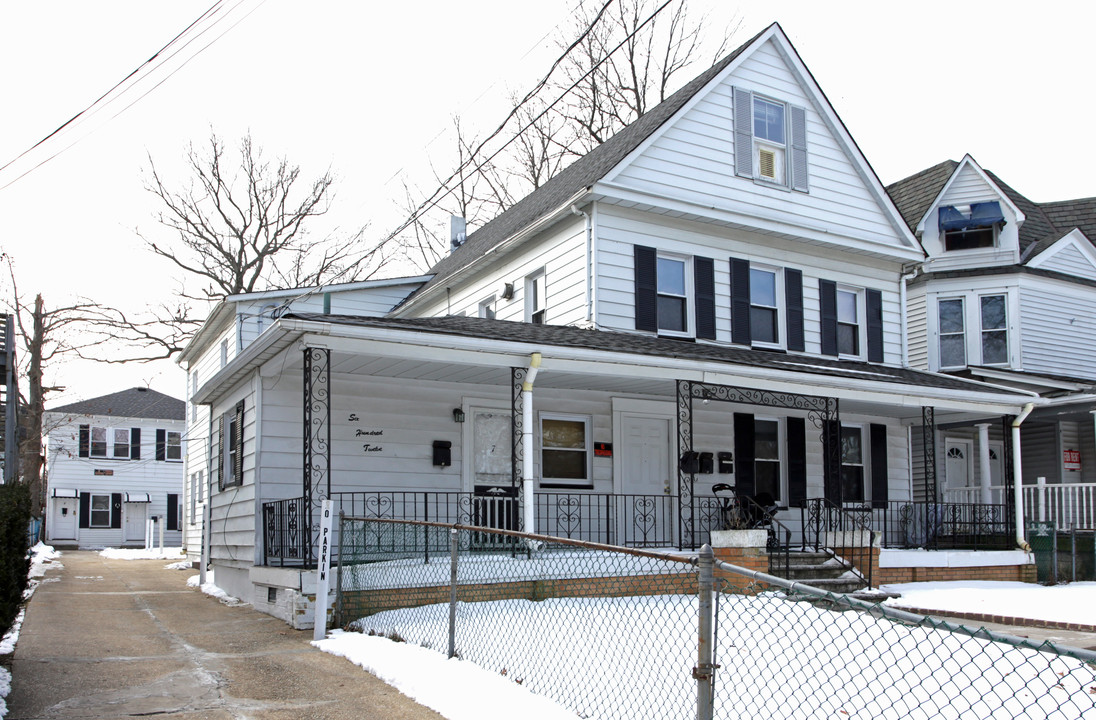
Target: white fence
(1068, 505)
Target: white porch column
(983, 463)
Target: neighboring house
(714, 295)
(1007, 295)
(113, 462)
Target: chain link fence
(616, 633)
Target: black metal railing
(287, 539)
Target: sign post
(323, 570)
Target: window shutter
(740, 301)
(161, 444)
(238, 446)
(115, 511)
(793, 297)
(135, 443)
(831, 460)
(704, 285)
(646, 269)
(85, 509)
(799, 148)
(744, 480)
(217, 457)
(797, 462)
(878, 465)
(172, 511)
(85, 444)
(874, 302)
(743, 133)
(827, 290)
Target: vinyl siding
(917, 330)
(1058, 323)
(1070, 261)
(233, 527)
(1039, 452)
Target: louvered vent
(767, 163)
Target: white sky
(367, 88)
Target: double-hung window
(764, 308)
(852, 464)
(565, 451)
(174, 445)
(953, 352)
(767, 457)
(536, 306)
(121, 444)
(673, 294)
(100, 511)
(848, 322)
(769, 139)
(487, 308)
(994, 329)
(98, 442)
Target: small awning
(64, 493)
(137, 497)
(982, 215)
(952, 219)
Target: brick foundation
(860, 557)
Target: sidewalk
(117, 638)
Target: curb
(1002, 619)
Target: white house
(714, 295)
(1007, 295)
(113, 463)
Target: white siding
(619, 230)
(917, 329)
(1058, 322)
(693, 160)
(1071, 261)
(1039, 452)
(233, 528)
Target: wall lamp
(458, 415)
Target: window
(195, 481)
(764, 310)
(970, 239)
(100, 511)
(174, 446)
(848, 322)
(852, 464)
(224, 353)
(767, 457)
(970, 228)
(535, 298)
(487, 308)
(673, 294)
(952, 342)
(994, 330)
(770, 141)
(121, 444)
(230, 438)
(565, 451)
(769, 134)
(99, 442)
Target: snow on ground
(1072, 603)
(210, 588)
(42, 557)
(181, 565)
(168, 553)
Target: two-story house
(113, 463)
(1007, 295)
(712, 296)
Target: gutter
(1017, 477)
(590, 267)
(902, 294)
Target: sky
(368, 90)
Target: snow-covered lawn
(1072, 603)
(168, 553)
(632, 657)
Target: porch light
(458, 415)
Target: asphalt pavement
(116, 639)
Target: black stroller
(745, 511)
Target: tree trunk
(30, 445)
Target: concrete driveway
(115, 638)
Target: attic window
(970, 230)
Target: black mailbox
(726, 462)
(443, 453)
(706, 463)
(689, 462)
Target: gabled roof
(1044, 223)
(133, 403)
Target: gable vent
(767, 163)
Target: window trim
(861, 321)
(779, 150)
(92, 510)
(168, 445)
(486, 308)
(532, 310)
(781, 307)
(586, 483)
(864, 464)
(689, 296)
(982, 331)
(962, 300)
(781, 457)
(994, 239)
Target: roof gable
(1072, 254)
(132, 403)
(967, 183)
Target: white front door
(64, 519)
(136, 514)
(958, 469)
(647, 508)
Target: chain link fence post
(704, 672)
(453, 546)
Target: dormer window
(970, 228)
(770, 141)
(769, 144)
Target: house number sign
(367, 447)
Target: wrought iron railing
(287, 537)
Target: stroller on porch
(745, 511)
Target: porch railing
(1068, 505)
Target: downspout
(902, 308)
(527, 442)
(589, 263)
(1017, 477)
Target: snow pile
(210, 588)
(1072, 603)
(181, 565)
(455, 688)
(42, 558)
(169, 553)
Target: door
(958, 470)
(135, 514)
(494, 501)
(64, 519)
(647, 502)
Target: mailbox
(443, 453)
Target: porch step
(819, 570)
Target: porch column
(684, 479)
(317, 436)
(983, 463)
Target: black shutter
(874, 302)
(217, 457)
(744, 479)
(161, 444)
(878, 465)
(85, 509)
(827, 290)
(793, 297)
(799, 165)
(743, 132)
(85, 444)
(238, 446)
(172, 511)
(704, 285)
(115, 510)
(646, 269)
(740, 301)
(797, 462)
(831, 460)
(135, 443)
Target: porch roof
(465, 341)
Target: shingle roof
(132, 403)
(650, 346)
(578, 176)
(1045, 223)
